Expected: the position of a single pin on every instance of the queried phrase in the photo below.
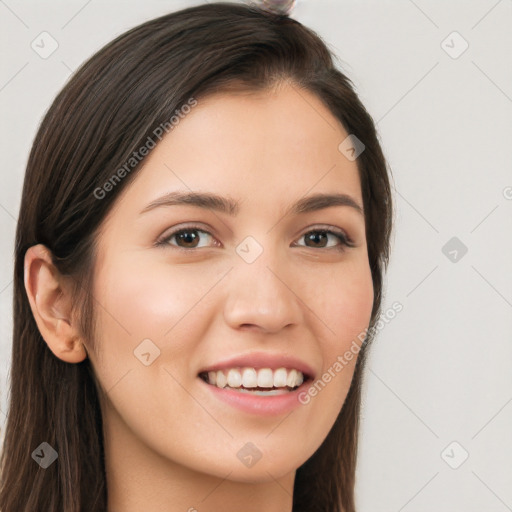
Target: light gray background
(441, 370)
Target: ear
(50, 299)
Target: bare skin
(171, 444)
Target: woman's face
(261, 282)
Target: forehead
(262, 148)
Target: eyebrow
(231, 207)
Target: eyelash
(342, 237)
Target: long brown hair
(107, 110)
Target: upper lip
(259, 360)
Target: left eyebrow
(231, 207)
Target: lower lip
(256, 404)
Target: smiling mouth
(288, 383)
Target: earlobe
(70, 348)
(50, 300)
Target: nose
(261, 297)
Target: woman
(150, 368)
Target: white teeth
(280, 377)
(252, 378)
(265, 378)
(292, 375)
(295, 378)
(221, 380)
(234, 379)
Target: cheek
(344, 308)
(343, 301)
(150, 297)
(139, 300)
(351, 308)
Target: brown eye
(319, 238)
(185, 238)
(189, 238)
